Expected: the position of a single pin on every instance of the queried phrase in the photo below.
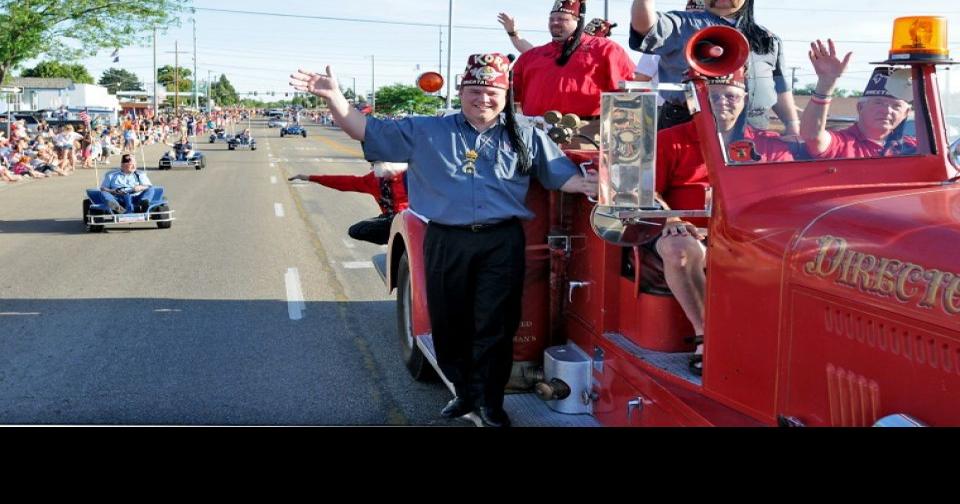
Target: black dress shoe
(493, 417)
(457, 407)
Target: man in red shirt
(881, 112)
(681, 183)
(384, 183)
(569, 73)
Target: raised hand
(508, 22)
(322, 85)
(825, 60)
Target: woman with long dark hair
(666, 34)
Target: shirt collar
(464, 122)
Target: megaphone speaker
(717, 50)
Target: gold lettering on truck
(884, 276)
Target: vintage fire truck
(833, 286)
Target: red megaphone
(716, 51)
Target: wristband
(821, 101)
(512, 34)
(822, 96)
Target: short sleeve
(551, 166)
(389, 140)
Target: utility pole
(196, 98)
(156, 109)
(373, 84)
(440, 45)
(793, 76)
(355, 99)
(176, 76)
(449, 55)
(606, 10)
(209, 109)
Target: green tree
(65, 30)
(223, 92)
(804, 91)
(167, 75)
(53, 69)
(118, 79)
(401, 98)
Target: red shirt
(598, 65)
(682, 174)
(369, 184)
(850, 143)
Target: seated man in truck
(881, 112)
(681, 183)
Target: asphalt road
(194, 324)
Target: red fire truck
(833, 286)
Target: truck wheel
(162, 225)
(304, 133)
(416, 363)
(86, 214)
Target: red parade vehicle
(833, 286)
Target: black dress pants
(374, 230)
(474, 289)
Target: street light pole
(373, 84)
(196, 99)
(209, 110)
(449, 55)
(156, 109)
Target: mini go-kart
(97, 214)
(182, 156)
(293, 129)
(219, 134)
(241, 142)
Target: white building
(62, 98)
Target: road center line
(295, 303)
(278, 209)
(273, 180)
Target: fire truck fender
(406, 237)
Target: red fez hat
(568, 6)
(490, 69)
(737, 79)
(599, 27)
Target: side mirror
(955, 154)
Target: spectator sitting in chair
(126, 184)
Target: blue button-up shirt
(116, 179)
(440, 189)
(667, 38)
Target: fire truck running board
(674, 363)
(525, 409)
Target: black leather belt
(476, 228)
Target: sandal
(695, 363)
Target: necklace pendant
(469, 168)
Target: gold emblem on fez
(487, 73)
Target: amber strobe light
(919, 38)
(430, 82)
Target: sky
(257, 52)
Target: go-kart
(293, 129)
(219, 134)
(182, 156)
(241, 142)
(97, 214)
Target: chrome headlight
(955, 154)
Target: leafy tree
(167, 75)
(223, 92)
(65, 30)
(401, 98)
(805, 91)
(118, 79)
(53, 69)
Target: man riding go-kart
(219, 133)
(182, 156)
(125, 196)
(244, 139)
(293, 129)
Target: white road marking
(278, 209)
(167, 310)
(358, 265)
(347, 243)
(8, 314)
(295, 303)
(273, 180)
